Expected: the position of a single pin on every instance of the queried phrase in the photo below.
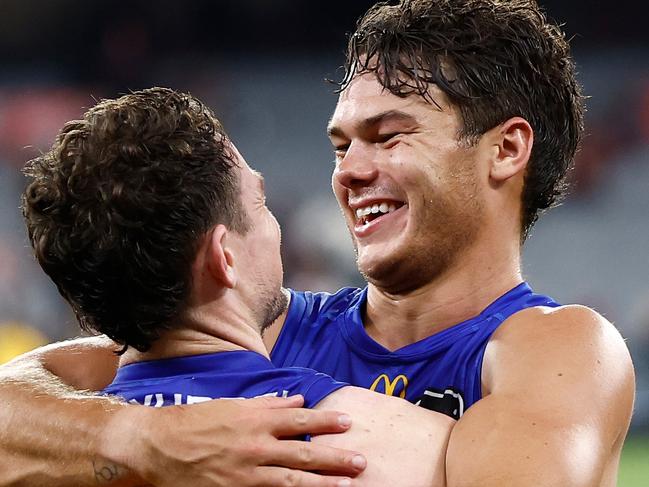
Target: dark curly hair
(494, 59)
(116, 209)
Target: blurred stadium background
(262, 66)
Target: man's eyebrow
(386, 116)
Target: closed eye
(340, 151)
(386, 137)
(389, 139)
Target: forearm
(51, 434)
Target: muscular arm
(558, 401)
(40, 439)
(405, 445)
(53, 435)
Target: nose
(357, 169)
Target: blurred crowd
(275, 103)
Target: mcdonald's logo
(389, 386)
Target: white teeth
(375, 209)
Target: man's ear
(513, 143)
(220, 260)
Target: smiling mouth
(369, 213)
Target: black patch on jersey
(449, 402)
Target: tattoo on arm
(106, 472)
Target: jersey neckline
(353, 330)
(231, 360)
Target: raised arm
(53, 435)
(405, 445)
(559, 395)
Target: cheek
(421, 183)
(410, 179)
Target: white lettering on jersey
(179, 398)
(159, 400)
(197, 399)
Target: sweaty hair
(115, 211)
(493, 59)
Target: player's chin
(375, 262)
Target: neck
(462, 292)
(205, 331)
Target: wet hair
(493, 59)
(116, 210)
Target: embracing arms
(559, 390)
(52, 435)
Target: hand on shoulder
(230, 442)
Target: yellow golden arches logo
(390, 385)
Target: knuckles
(255, 451)
(300, 417)
(305, 454)
(292, 478)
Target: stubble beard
(447, 228)
(272, 306)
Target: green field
(634, 468)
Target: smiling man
(455, 126)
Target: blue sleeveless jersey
(199, 378)
(442, 372)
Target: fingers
(273, 402)
(296, 422)
(305, 455)
(284, 477)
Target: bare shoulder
(571, 332)
(87, 363)
(569, 349)
(375, 405)
(562, 322)
(388, 414)
(405, 445)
